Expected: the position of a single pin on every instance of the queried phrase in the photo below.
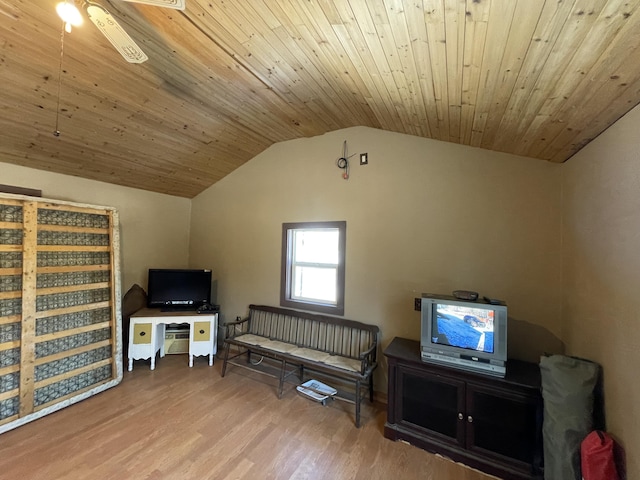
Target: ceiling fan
(108, 25)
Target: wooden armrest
(364, 357)
(368, 352)
(236, 322)
(231, 327)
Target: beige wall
(601, 306)
(423, 216)
(154, 227)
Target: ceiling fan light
(69, 13)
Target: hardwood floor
(189, 423)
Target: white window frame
(287, 298)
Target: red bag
(597, 458)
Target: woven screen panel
(72, 238)
(69, 259)
(72, 219)
(71, 299)
(70, 385)
(9, 407)
(69, 321)
(10, 358)
(63, 344)
(10, 307)
(10, 260)
(68, 364)
(66, 337)
(10, 283)
(48, 280)
(9, 382)
(11, 236)
(11, 213)
(9, 332)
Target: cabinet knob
(142, 334)
(470, 419)
(201, 332)
(460, 416)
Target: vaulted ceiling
(227, 79)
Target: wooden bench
(334, 347)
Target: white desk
(147, 329)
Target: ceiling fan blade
(177, 4)
(111, 29)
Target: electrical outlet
(364, 159)
(417, 304)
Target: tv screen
(178, 288)
(465, 334)
(464, 327)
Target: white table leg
(211, 359)
(153, 361)
(160, 337)
(130, 364)
(190, 360)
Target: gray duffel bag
(568, 385)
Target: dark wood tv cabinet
(489, 423)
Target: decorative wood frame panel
(60, 309)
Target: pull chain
(56, 132)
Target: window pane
(314, 283)
(313, 266)
(316, 246)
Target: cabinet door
(504, 423)
(431, 402)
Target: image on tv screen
(464, 327)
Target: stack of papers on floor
(316, 390)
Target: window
(313, 266)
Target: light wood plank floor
(189, 423)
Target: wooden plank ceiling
(226, 79)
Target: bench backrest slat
(336, 336)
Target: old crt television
(178, 289)
(468, 335)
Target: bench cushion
(278, 346)
(337, 361)
(310, 354)
(344, 363)
(251, 339)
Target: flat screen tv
(468, 335)
(178, 289)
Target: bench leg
(301, 374)
(282, 372)
(371, 388)
(226, 358)
(358, 397)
